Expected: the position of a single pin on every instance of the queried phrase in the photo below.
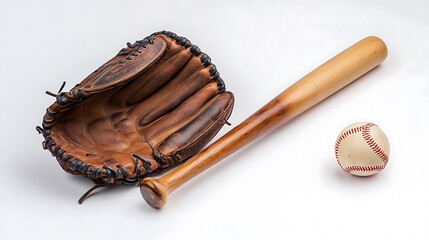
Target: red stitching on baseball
(364, 168)
(365, 129)
(342, 137)
(371, 142)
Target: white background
(286, 185)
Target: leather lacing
(61, 99)
(59, 91)
(137, 45)
(60, 96)
(112, 175)
(146, 164)
(85, 195)
(196, 51)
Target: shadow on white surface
(52, 182)
(334, 177)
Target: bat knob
(153, 192)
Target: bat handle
(319, 84)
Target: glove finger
(192, 137)
(126, 65)
(179, 117)
(171, 62)
(188, 81)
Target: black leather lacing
(137, 48)
(160, 159)
(62, 99)
(205, 59)
(146, 163)
(59, 91)
(110, 174)
(85, 195)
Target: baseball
(362, 149)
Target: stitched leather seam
(373, 144)
(365, 130)
(364, 168)
(342, 137)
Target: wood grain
(319, 84)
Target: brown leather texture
(156, 103)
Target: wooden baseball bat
(319, 84)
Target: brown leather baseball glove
(157, 102)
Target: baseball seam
(341, 138)
(364, 168)
(365, 129)
(372, 144)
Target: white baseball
(362, 149)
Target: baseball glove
(156, 103)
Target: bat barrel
(319, 84)
(334, 74)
